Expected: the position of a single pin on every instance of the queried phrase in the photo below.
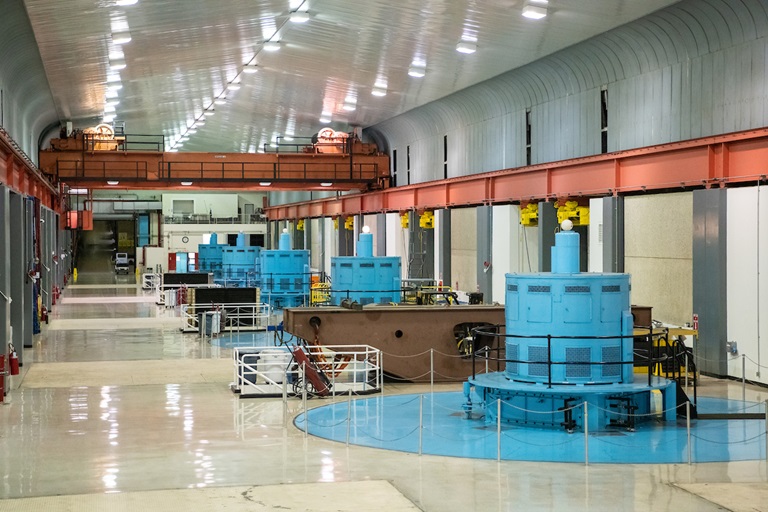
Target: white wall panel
(464, 249)
(658, 254)
(747, 284)
(595, 252)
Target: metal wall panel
(5, 273)
(709, 279)
(694, 69)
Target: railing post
(432, 370)
(586, 435)
(349, 414)
(688, 428)
(304, 398)
(743, 377)
(650, 354)
(498, 429)
(421, 422)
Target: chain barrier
(390, 440)
(747, 440)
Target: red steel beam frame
(699, 163)
(19, 174)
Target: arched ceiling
(184, 54)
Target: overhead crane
(99, 158)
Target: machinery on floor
(568, 341)
(365, 278)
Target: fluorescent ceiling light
(117, 64)
(265, 183)
(349, 106)
(121, 37)
(271, 46)
(325, 119)
(250, 69)
(534, 12)
(209, 111)
(417, 71)
(288, 138)
(233, 87)
(107, 118)
(466, 47)
(109, 108)
(78, 191)
(113, 101)
(326, 184)
(222, 100)
(113, 182)
(111, 93)
(191, 131)
(299, 17)
(124, 3)
(113, 78)
(186, 183)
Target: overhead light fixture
(233, 87)
(109, 108)
(186, 183)
(78, 191)
(200, 122)
(466, 47)
(209, 112)
(125, 3)
(325, 117)
(288, 138)
(349, 106)
(417, 71)
(113, 78)
(113, 101)
(173, 150)
(271, 46)
(534, 12)
(121, 37)
(112, 182)
(117, 64)
(191, 131)
(326, 184)
(265, 183)
(250, 69)
(111, 93)
(221, 100)
(107, 118)
(299, 17)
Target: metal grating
(577, 289)
(512, 353)
(537, 354)
(613, 288)
(366, 265)
(611, 354)
(539, 289)
(578, 355)
(511, 287)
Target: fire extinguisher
(13, 359)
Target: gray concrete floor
(126, 412)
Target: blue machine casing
(365, 278)
(285, 275)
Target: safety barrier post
(688, 428)
(349, 414)
(421, 421)
(304, 397)
(498, 429)
(586, 435)
(743, 377)
(285, 398)
(432, 370)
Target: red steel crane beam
(699, 163)
(20, 174)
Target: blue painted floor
(392, 422)
(249, 339)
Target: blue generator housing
(239, 264)
(210, 256)
(365, 278)
(285, 276)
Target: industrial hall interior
(449, 255)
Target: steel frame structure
(708, 162)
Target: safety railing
(126, 170)
(659, 356)
(123, 142)
(304, 171)
(270, 371)
(233, 317)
